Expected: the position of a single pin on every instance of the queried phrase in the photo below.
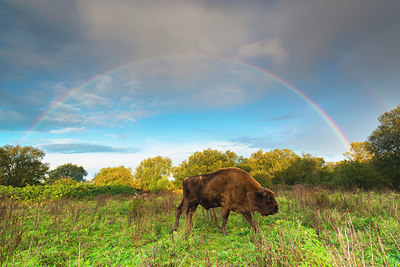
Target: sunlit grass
(315, 226)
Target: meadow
(316, 226)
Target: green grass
(315, 227)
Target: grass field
(315, 227)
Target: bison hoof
(224, 232)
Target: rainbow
(264, 72)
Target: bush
(356, 174)
(62, 190)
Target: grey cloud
(270, 48)
(293, 37)
(86, 148)
(322, 31)
(53, 20)
(39, 34)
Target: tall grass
(315, 227)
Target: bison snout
(275, 210)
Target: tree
(114, 176)
(243, 163)
(385, 145)
(21, 165)
(203, 162)
(360, 151)
(68, 170)
(152, 173)
(268, 167)
(305, 169)
(357, 174)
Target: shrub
(356, 174)
(62, 190)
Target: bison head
(265, 201)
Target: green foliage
(263, 177)
(307, 169)
(203, 162)
(264, 167)
(385, 140)
(152, 173)
(360, 151)
(77, 173)
(65, 181)
(63, 189)
(21, 165)
(243, 163)
(315, 227)
(385, 145)
(113, 176)
(357, 174)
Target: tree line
(371, 163)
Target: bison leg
(225, 215)
(249, 218)
(177, 216)
(189, 213)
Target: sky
(111, 83)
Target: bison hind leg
(225, 215)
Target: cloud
(64, 117)
(105, 83)
(283, 117)
(119, 136)
(176, 26)
(12, 120)
(101, 34)
(91, 100)
(76, 115)
(67, 130)
(271, 48)
(78, 40)
(73, 148)
(18, 112)
(253, 142)
(291, 38)
(25, 58)
(220, 95)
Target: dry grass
(315, 227)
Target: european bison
(232, 189)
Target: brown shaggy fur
(232, 189)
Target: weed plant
(315, 227)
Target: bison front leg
(178, 213)
(225, 214)
(250, 219)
